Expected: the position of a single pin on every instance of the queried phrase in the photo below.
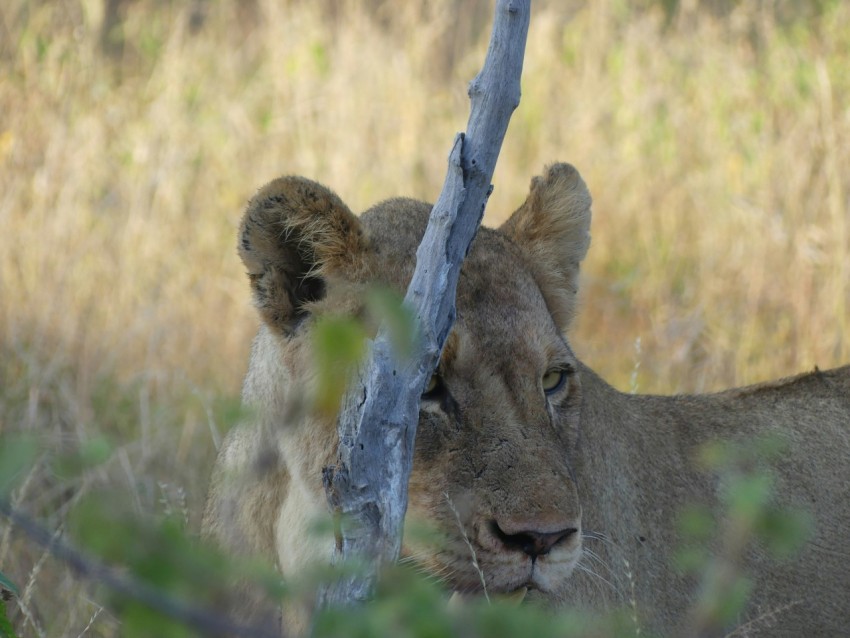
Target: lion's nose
(532, 542)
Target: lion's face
(490, 466)
(497, 421)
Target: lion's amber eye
(553, 380)
(432, 386)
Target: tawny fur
(496, 456)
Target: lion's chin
(458, 599)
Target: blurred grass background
(714, 136)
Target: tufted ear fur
(294, 234)
(553, 227)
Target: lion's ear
(553, 227)
(293, 235)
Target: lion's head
(492, 464)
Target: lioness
(558, 482)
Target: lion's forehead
(495, 279)
(395, 228)
(502, 317)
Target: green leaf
(747, 495)
(690, 559)
(730, 602)
(95, 451)
(695, 522)
(140, 621)
(6, 630)
(386, 307)
(339, 345)
(785, 531)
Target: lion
(561, 485)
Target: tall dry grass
(716, 147)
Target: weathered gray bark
(377, 426)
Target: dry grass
(716, 150)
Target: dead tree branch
(367, 487)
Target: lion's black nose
(532, 542)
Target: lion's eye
(554, 380)
(433, 386)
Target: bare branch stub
(377, 424)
